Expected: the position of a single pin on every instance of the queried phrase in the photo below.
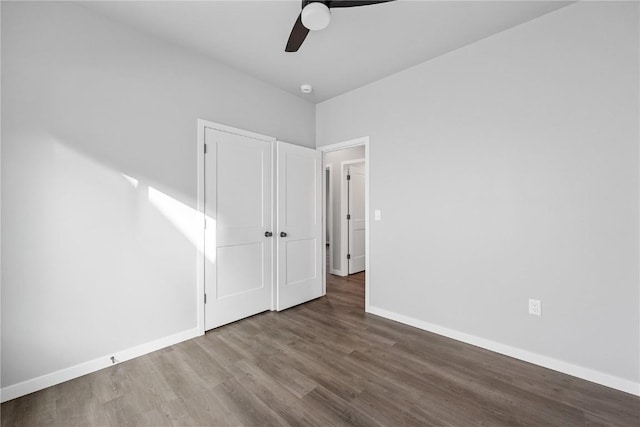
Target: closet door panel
(238, 203)
(299, 189)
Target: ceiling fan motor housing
(316, 16)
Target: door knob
(283, 234)
(268, 234)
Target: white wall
(336, 158)
(96, 262)
(508, 170)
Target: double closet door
(263, 232)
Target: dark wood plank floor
(324, 363)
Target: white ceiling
(361, 44)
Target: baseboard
(57, 377)
(337, 272)
(525, 355)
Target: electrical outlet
(535, 307)
(376, 214)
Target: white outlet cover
(376, 214)
(535, 307)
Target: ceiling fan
(315, 15)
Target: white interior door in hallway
(356, 217)
(299, 187)
(238, 204)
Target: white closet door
(238, 262)
(299, 231)
(355, 188)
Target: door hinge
(205, 298)
(205, 223)
(205, 148)
(348, 216)
(348, 177)
(348, 256)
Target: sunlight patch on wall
(132, 181)
(186, 219)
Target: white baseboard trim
(528, 356)
(57, 377)
(337, 272)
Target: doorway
(347, 218)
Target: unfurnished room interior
(326, 213)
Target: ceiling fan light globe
(316, 16)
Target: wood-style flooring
(324, 363)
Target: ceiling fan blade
(353, 3)
(297, 36)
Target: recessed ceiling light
(306, 88)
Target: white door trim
(200, 255)
(348, 144)
(344, 224)
(200, 233)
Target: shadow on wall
(100, 259)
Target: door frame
(344, 207)
(328, 206)
(340, 146)
(199, 228)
